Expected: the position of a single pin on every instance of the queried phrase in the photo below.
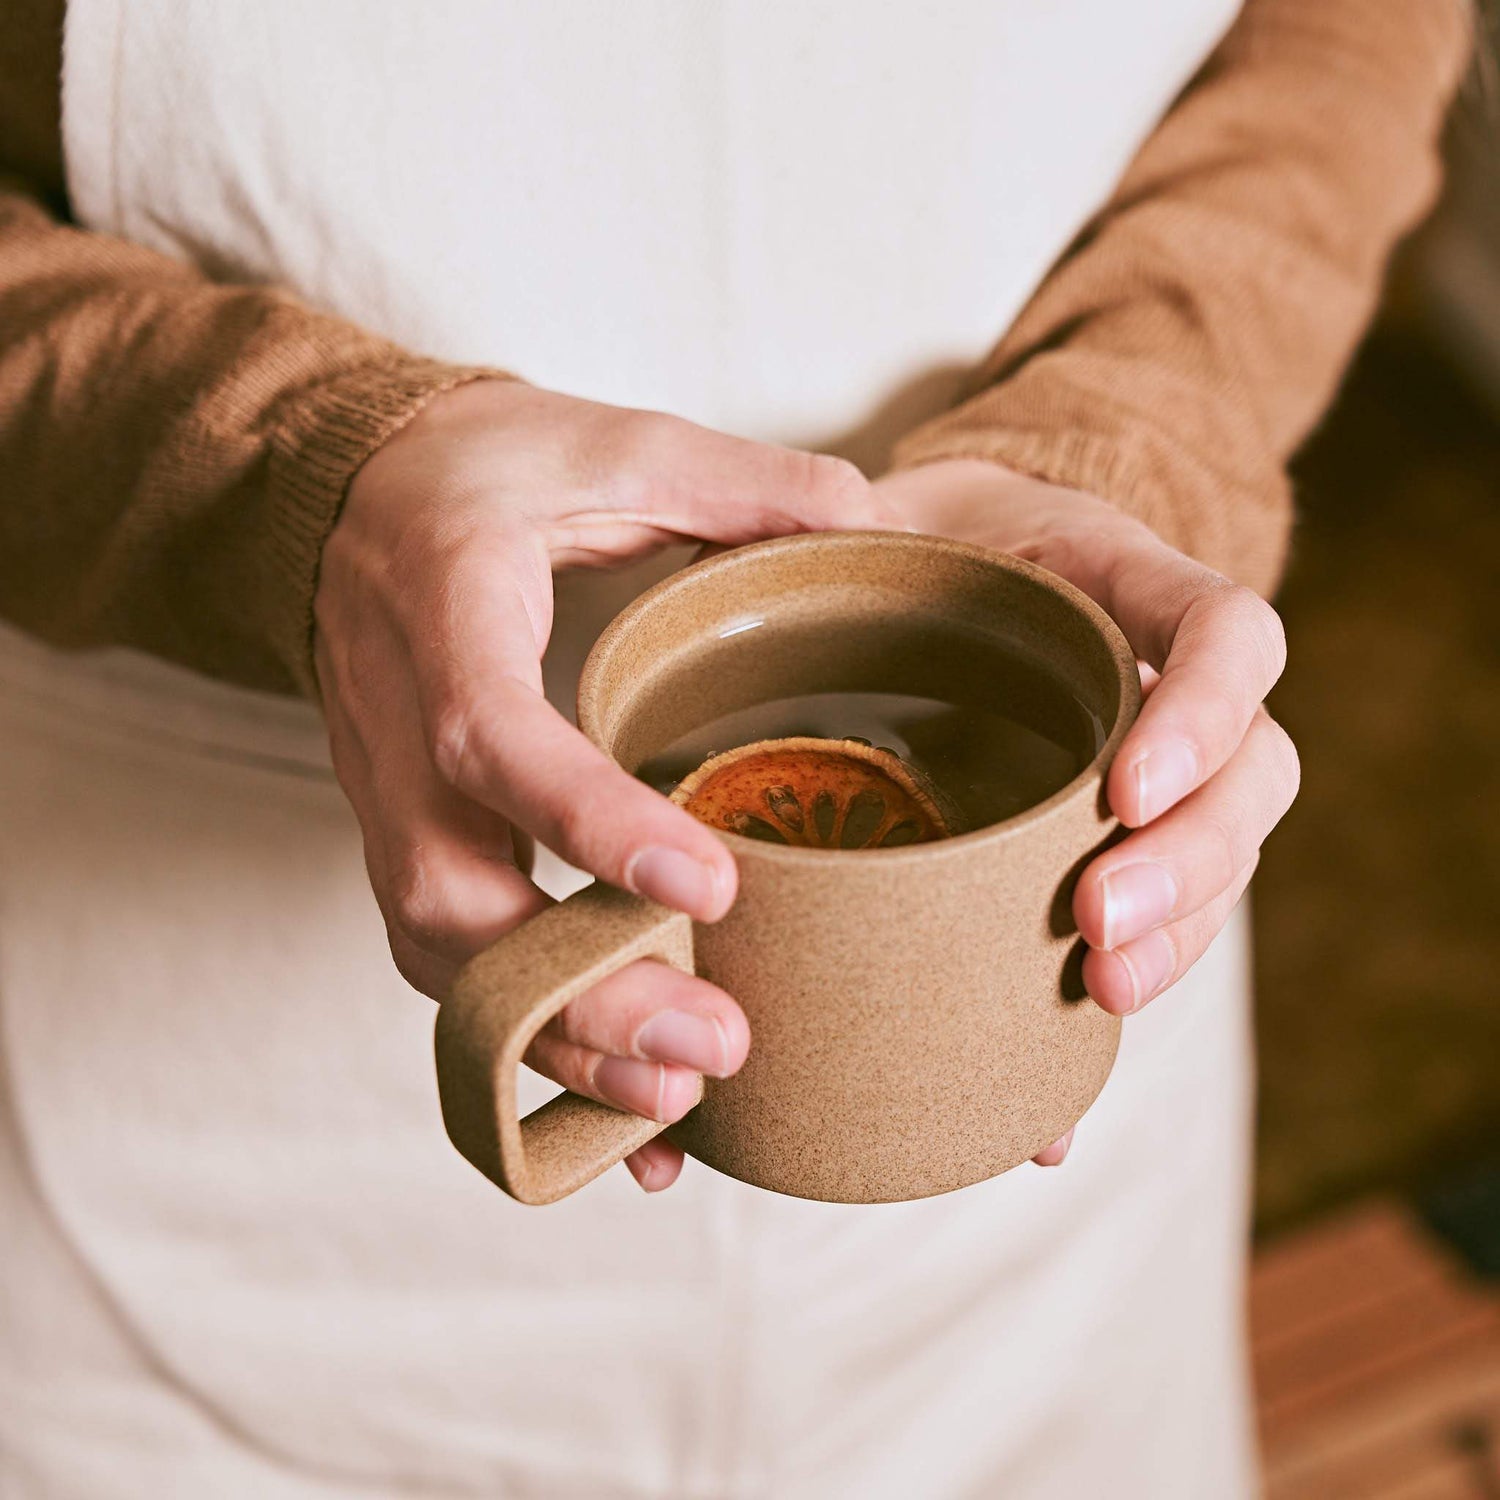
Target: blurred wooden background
(1378, 901)
(1374, 1315)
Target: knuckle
(1288, 763)
(650, 433)
(420, 902)
(571, 1023)
(1254, 621)
(1190, 940)
(581, 1021)
(1195, 595)
(1220, 709)
(836, 477)
(637, 448)
(580, 825)
(1060, 551)
(563, 1061)
(1275, 633)
(1222, 852)
(837, 484)
(1278, 756)
(1200, 931)
(451, 738)
(420, 970)
(575, 826)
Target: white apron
(240, 1258)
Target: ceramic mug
(917, 1018)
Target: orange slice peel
(817, 794)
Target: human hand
(1204, 774)
(433, 608)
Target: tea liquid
(988, 765)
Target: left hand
(1205, 772)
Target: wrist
(321, 440)
(435, 417)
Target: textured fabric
(240, 1260)
(1180, 352)
(152, 426)
(782, 242)
(175, 452)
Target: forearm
(1179, 353)
(174, 451)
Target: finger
(446, 902)
(1052, 1156)
(423, 971)
(1121, 980)
(656, 1165)
(496, 740)
(655, 1013)
(1220, 648)
(441, 867)
(676, 476)
(655, 1091)
(640, 1039)
(1195, 852)
(442, 904)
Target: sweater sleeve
(175, 451)
(1180, 351)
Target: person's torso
(795, 222)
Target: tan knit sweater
(174, 452)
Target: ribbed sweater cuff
(316, 450)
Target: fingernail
(1056, 1153)
(678, 1036)
(1149, 963)
(1163, 777)
(676, 880)
(1137, 898)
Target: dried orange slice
(816, 794)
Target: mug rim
(1121, 655)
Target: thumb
(731, 490)
(494, 739)
(505, 747)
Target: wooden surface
(1377, 1364)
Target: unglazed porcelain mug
(917, 1018)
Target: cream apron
(240, 1258)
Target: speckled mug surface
(917, 1019)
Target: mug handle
(499, 1002)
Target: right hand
(433, 609)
